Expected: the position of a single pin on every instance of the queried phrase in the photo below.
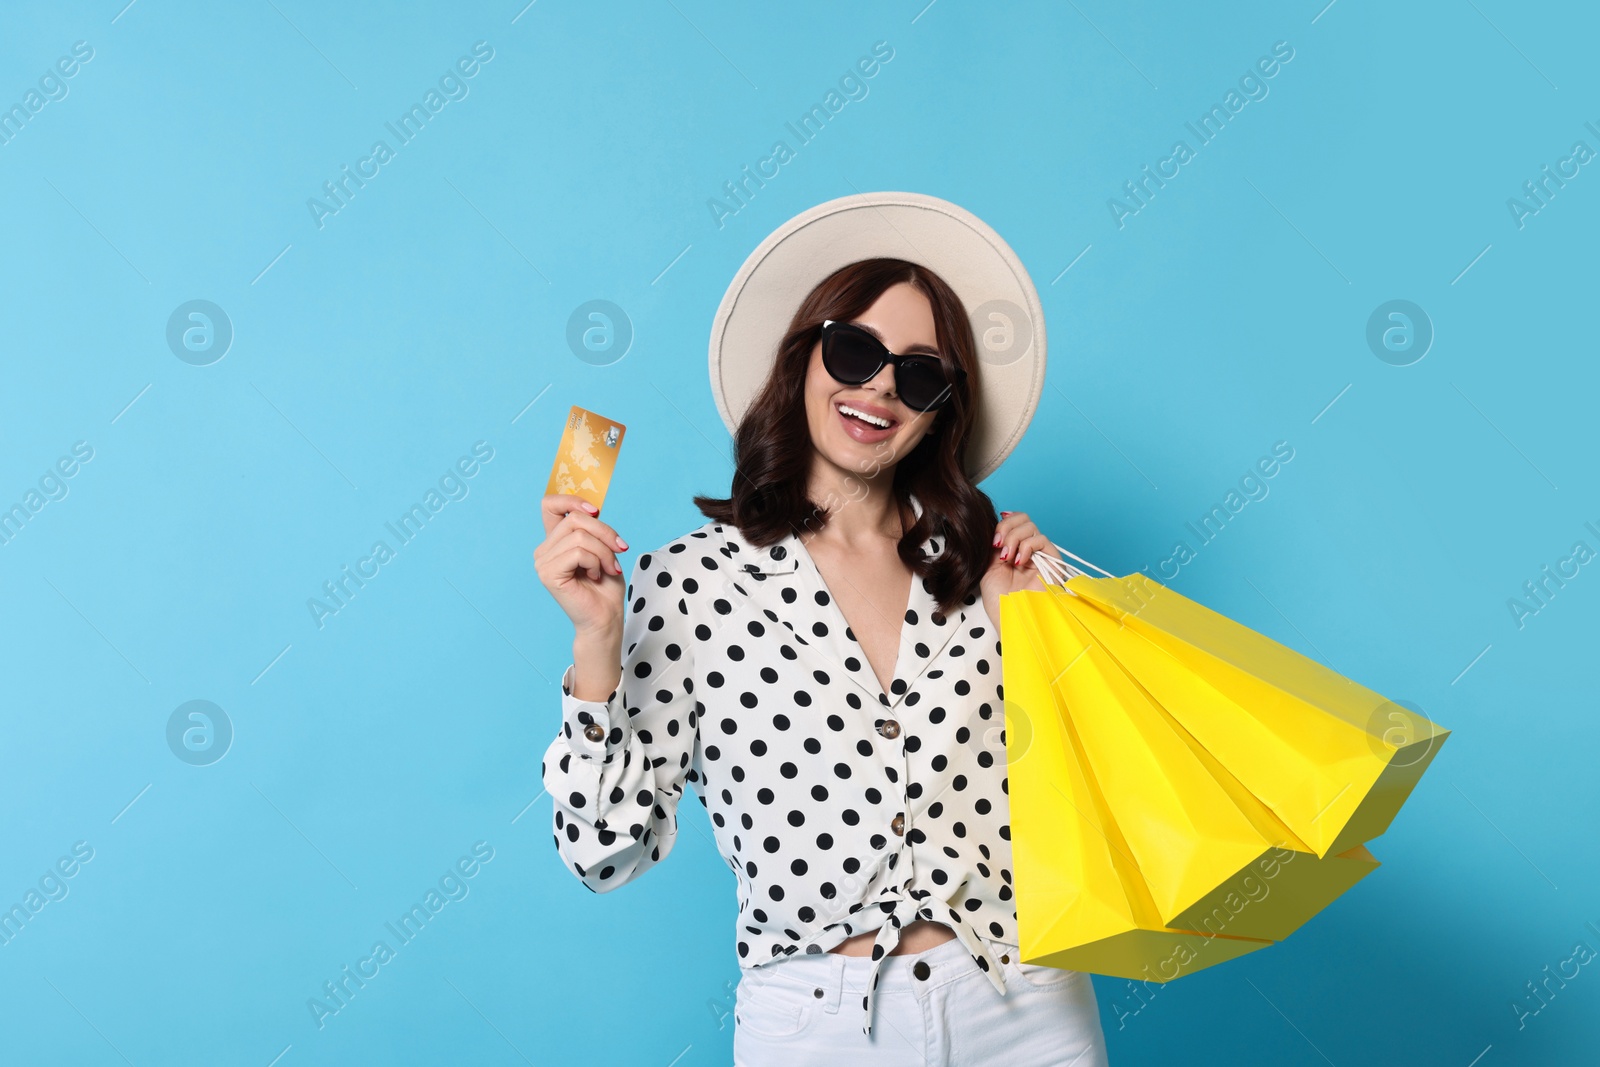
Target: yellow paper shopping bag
(1207, 853)
(1153, 831)
(1183, 829)
(1333, 759)
(1082, 903)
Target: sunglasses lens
(850, 357)
(921, 383)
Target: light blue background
(427, 314)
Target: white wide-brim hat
(1007, 318)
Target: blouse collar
(923, 637)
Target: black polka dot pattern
(841, 806)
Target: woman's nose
(883, 380)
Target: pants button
(817, 992)
(921, 970)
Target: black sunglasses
(854, 356)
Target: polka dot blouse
(839, 807)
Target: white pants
(807, 1010)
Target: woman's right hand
(577, 563)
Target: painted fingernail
(590, 508)
(621, 543)
(997, 542)
(1004, 552)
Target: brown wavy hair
(773, 450)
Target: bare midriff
(916, 937)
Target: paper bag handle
(1055, 570)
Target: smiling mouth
(865, 419)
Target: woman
(821, 662)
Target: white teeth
(863, 416)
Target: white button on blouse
(839, 807)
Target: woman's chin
(863, 459)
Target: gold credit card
(587, 456)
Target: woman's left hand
(1011, 567)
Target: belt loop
(835, 983)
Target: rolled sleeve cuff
(594, 730)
